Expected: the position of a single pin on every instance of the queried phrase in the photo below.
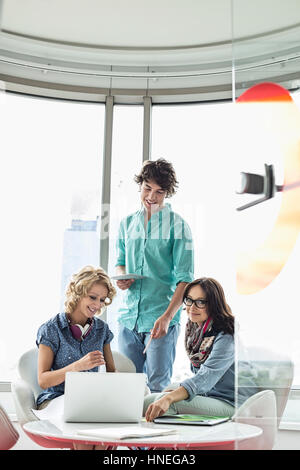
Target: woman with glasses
(209, 343)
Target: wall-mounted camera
(251, 183)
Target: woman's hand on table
(157, 408)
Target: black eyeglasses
(200, 303)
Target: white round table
(226, 435)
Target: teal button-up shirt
(162, 251)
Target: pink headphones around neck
(80, 332)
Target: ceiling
(169, 50)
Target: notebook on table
(126, 433)
(115, 397)
(199, 420)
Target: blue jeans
(158, 361)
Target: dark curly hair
(217, 307)
(162, 172)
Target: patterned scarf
(199, 341)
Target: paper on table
(148, 344)
(126, 432)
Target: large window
(51, 177)
(268, 243)
(196, 139)
(51, 154)
(209, 145)
(126, 163)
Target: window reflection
(125, 197)
(197, 140)
(50, 189)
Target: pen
(148, 344)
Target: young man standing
(156, 243)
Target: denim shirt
(163, 253)
(56, 334)
(215, 377)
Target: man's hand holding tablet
(124, 281)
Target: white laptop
(115, 397)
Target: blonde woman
(76, 339)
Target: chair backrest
(27, 367)
(8, 434)
(259, 410)
(123, 363)
(269, 371)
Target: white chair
(259, 410)
(26, 390)
(123, 363)
(269, 371)
(272, 373)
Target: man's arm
(161, 326)
(183, 264)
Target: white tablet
(124, 277)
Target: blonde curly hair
(82, 282)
